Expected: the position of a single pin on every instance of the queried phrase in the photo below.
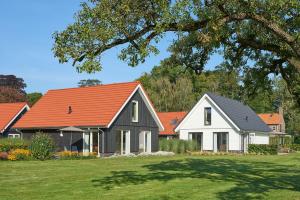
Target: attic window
(135, 111)
(207, 116)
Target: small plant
(19, 154)
(42, 146)
(69, 155)
(263, 149)
(8, 144)
(3, 155)
(178, 146)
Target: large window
(207, 116)
(135, 111)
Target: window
(14, 135)
(135, 111)
(274, 128)
(207, 116)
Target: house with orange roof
(275, 121)
(170, 120)
(107, 119)
(10, 113)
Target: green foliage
(68, 155)
(32, 98)
(294, 147)
(42, 146)
(258, 38)
(297, 140)
(89, 82)
(8, 144)
(178, 146)
(263, 149)
(277, 140)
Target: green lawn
(178, 177)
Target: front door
(86, 142)
(220, 142)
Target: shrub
(8, 144)
(297, 139)
(276, 140)
(69, 155)
(3, 155)
(293, 147)
(42, 146)
(263, 149)
(178, 146)
(19, 154)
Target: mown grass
(178, 177)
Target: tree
(32, 98)
(89, 82)
(259, 37)
(12, 89)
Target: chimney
(70, 110)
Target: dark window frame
(207, 116)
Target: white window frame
(147, 141)
(206, 122)
(135, 116)
(14, 135)
(251, 138)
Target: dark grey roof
(241, 115)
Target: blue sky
(26, 29)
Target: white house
(221, 124)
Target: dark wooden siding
(60, 142)
(124, 122)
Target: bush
(276, 140)
(263, 149)
(3, 155)
(69, 155)
(19, 154)
(293, 147)
(178, 146)
(8, 144)
(297, 140)
(42, 146)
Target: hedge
(8, 144)
(294, 147)
(178, 146)
(263, 149)
(275, 140)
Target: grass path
(178, 177)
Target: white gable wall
(194, 122)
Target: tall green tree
(260, 37)
(32, 98)
(89, 82)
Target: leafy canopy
(260, 36)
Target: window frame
(135, 113)
(13, 135)
(206, 122)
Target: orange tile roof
(8, 112)
(90, 106)
(170, 120)
(271, 118)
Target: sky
(26, 29)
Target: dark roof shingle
(241, 115)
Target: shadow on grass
(253, 179)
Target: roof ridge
(73, 88)
(23, 102)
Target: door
(220, 142)
(145, 141)
(86, 143)
(122, 142)
(197, 137)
